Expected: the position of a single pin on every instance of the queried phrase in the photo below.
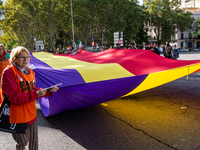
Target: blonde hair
(17, 51)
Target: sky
(140, 2)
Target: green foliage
(9, 40)
(166, 16)
(104, 17)
(50, 21)
(196, 27)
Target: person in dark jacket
(117, 46)
(133, 46)
(168, 52)
(153, 48)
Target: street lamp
(72, 23)
(150, 24)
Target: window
(182, 35)
(189, 45)
(198, 44)
(190, 35)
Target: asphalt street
(164, 118)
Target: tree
(196, 28)
(166, 16)
(104, 17)
(50, 21)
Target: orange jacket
(4, 62)
(25, 112)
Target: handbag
(4, 119)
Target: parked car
(197, 49)
(183, 50)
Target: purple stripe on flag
(38, 63)
(47, 76)
(88, 94)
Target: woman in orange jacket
(18, 85)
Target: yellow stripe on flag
(90, 72)
(160, 78)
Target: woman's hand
(54, 89)
(41, 92)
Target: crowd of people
(169, 51)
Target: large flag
(92, 78)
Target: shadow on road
(138, 121)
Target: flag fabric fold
(93, 78)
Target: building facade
(185, 40)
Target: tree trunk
(52, 26)
(64, 38)
(52, 37)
